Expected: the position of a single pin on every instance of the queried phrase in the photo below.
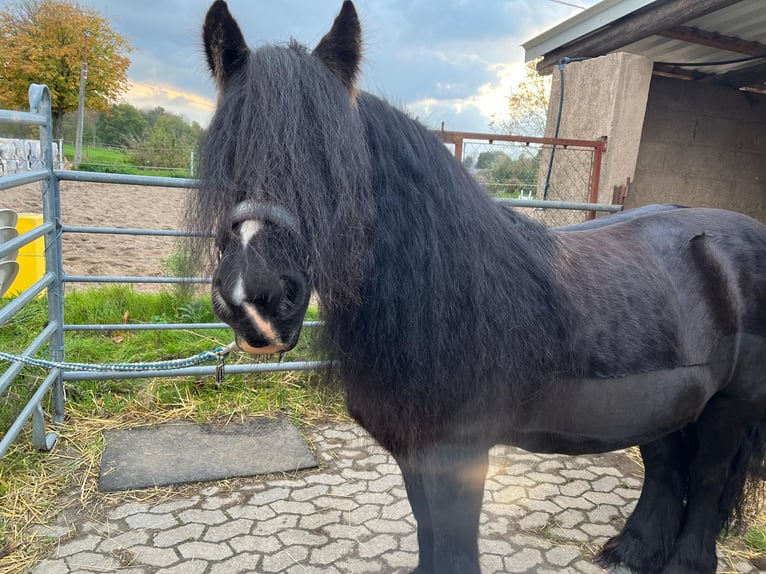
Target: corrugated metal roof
(743, 20)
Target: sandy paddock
(109, 205)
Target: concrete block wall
(702, 145)
(604, 96)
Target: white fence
(24, 155)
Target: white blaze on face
(247, 230)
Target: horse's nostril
(292, 292)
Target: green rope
(217, 355)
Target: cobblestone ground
(542, 514)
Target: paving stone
(296, 537)
(491, 564)
(188, 567)
(209, 517)
(174, 505)
(216, 502)
(331, 552)
(305, 494)
(573, 502)
(390, 526)
(257, 513)
(358, 566)
(346, 531)
(255, 544)
(397, 510)
(523, 560)
(176, 536)
(575, 488)
(284, 559)
(606, 484)
(546, 477)
(228, 530)
(92, 561)
(399, 559)
(604, 498)
(127, 509)
(51, 567)
(540, 506)
(378, 545)
(204, 550)
(606, 530)
(562, 555)
(535, 521)
(78, 545)
(569, 518)
(604, 514)
(268, 496)
(151, 521)
(577, 474)
(510, 494)
(125, 540)
(362, 514)
(276, 524)
(244, 563)
(543, 491)
(162, 557)
(495, 547)
(319, 519)
(51, 531)
(627, 493)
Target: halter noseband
(266, 211)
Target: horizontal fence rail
(54, 279)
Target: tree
(121, 125)
(169, 142)
(488, 159)
(527, 105)
(44, 42)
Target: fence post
(595, 176)
(40, 103)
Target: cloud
(450, 60)
(188, 104)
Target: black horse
(456, 324)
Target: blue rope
(217, 355)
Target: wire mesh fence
(533, 168)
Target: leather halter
(266, 211)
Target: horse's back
(665, 289)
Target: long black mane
(460, 288)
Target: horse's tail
(742, 494)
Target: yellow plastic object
(31, 257)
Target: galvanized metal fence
(54, 280)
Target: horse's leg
(649, 534)
(416, 494)
(721, 433)
(453, 483)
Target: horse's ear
(341, 48)
(225, 47)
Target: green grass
(115, 161)
(97, 155)
(120, 304)
(755, 538)
(33, 484)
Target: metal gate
(54, 279)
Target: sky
(451, 61)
